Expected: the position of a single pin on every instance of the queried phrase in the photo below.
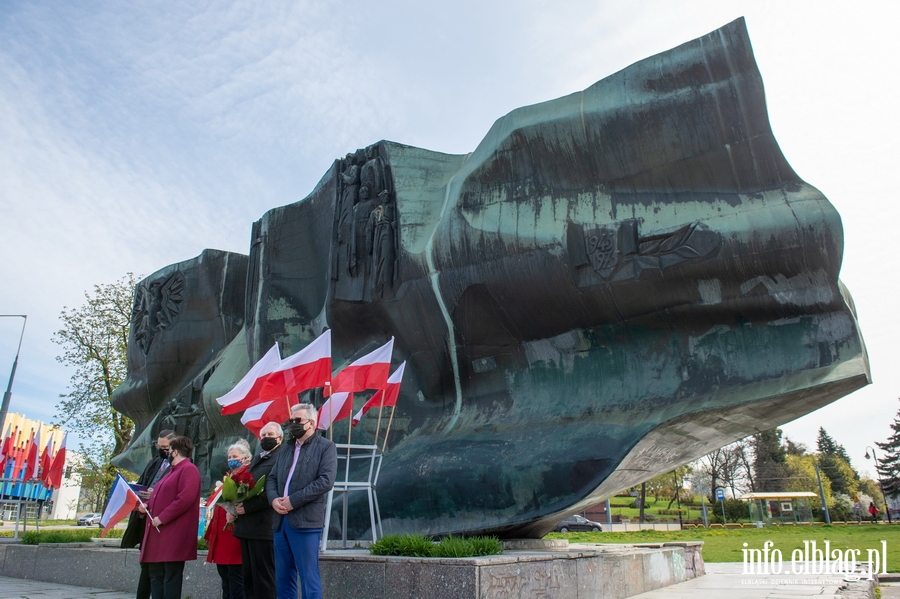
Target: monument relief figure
(380, 235)
(613, 283)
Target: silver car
(89, 519)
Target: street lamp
(4, 407)
(887, 509)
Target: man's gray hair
(275, 425)
(310, 410)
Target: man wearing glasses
(303, 473)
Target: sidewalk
(728, 580)
(16, 588)
(721, 580)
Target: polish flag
(5, 449)
(19, 464)
(338, 407)
(307, 369)
(54, 476)
(214, 496)
(384, 397)
(45, 460)
(122, 500)
(261, 414)
(369, 372)
(31, 462)
(246, 392)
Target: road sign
(720, 494)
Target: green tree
(826, 445)
(770, 461)
(801, 476)
(844, 479)
(94, 341)
(888, 465)
(869, 488)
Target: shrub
(412, 545)
(735, 510)
(33, 537)
(486, 546)
(409, 545)
(453, 547)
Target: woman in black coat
(253, 526)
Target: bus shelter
(779, 508)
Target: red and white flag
(54, 477)
(214, 497)
(384, 397)
(6, 449)
(122, 500)
(20, 452)
(31, 462)
(307, 369)
(261, 414)
(369, 372)
(246, 392)
(338, 407)
(45, 460)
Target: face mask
(298, 430)
(170, 457)
(235, 464)
(163, 453)
(268, 443)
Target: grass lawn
(727, 545)
(653, 508)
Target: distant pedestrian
(857, 509)
(873, 511)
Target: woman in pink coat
(170, 537)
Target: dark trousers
(143, 591)
(297, 552)
(258, 562)
(166, 579)
(232, 581)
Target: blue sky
(136, 134)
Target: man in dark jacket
(253, 526)
(134, 532)
(303, 474)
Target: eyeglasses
(298, 421)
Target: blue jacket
(313, 478)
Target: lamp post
(887, 509)
(4, 407)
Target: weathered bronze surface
(611, 284)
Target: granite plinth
(609, 571)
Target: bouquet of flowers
(238, 487)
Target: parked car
(578, 523)
(89, 519)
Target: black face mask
(298, 430)
(269, 443)
(170, 457)
(163, 453)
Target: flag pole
(388, 430)
(331, 415)
(349, 426)
(378, 424)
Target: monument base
(609, 571)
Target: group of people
(266, 542)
